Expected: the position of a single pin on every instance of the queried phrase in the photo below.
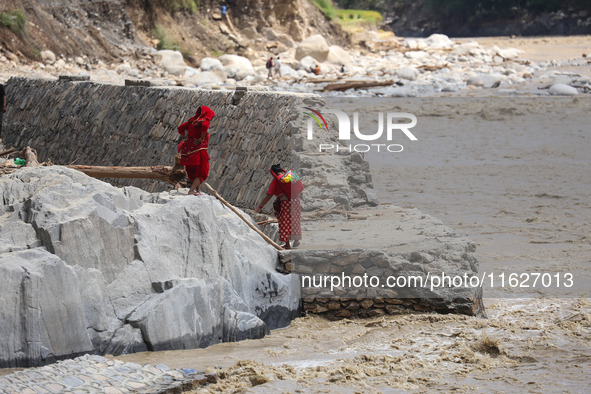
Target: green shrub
(349, 18)
(189, 6)
(359, 18)
(163, 43)
(16, 21)
(326, 7)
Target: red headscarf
(199, 123)
(278, 186)
(194, 148)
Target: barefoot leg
(195, 187)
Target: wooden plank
(341, 87)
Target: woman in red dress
(286, 206)
(193, 149)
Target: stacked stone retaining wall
(367, 283)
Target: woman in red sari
(193, 149)
(286, 206)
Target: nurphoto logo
(395, 124)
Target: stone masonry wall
(355, 294)
(97, 124)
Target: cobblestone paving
(96, 374)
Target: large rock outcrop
(88, 267)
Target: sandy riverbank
(540, 49)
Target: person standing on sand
(269, 66)
(286, 186)
(278, 67)
(193, 149)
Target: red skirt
(289, 220)
(195, 160)
(200, 171)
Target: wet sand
(540, 49)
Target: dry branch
(8, 151)
(162, 173)
(237, 212)
(433, 67)
(341, 87)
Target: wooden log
(241, 216)
(8, 151)
(428, 67)
(172, 175)
(323, 80)
(341, 87)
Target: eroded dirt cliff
(110, 29)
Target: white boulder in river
(86, 267)
(237, 67)
(172, 61)
(560, 89)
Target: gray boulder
(237, 67)
(88, 267)
(439, 41)
(210, 64)
(560, 89)
(339, 56)
(42, 313)
(314, 46)
(172, 61)
(208, 78)
(492, 80)
(47, 56)
(408, 73)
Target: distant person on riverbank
(270, 66)
(223, 10)
(277, 66)
(286, 186)
(193, 149)
(3, 101)
(316, 70)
